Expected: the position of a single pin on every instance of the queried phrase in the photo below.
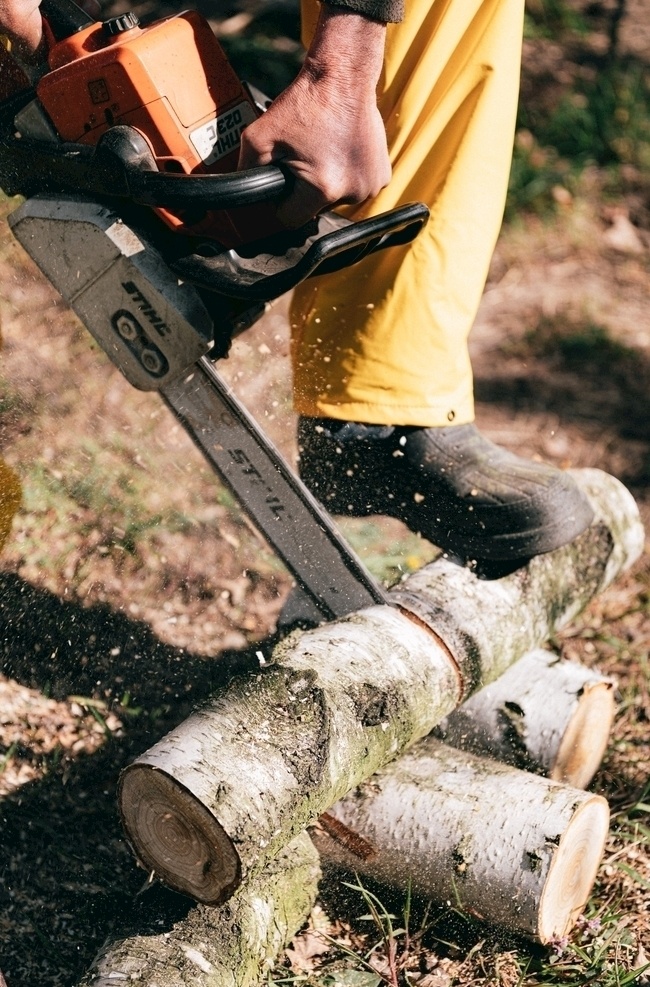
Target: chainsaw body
(126, 152)
(172, 83)
(153, 117)
(152, 326)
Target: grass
(388, 554)
(602, 118)
(578, 342)
(551, 18)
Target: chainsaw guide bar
(149, 324)
(137, 215)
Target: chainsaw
(125, 147)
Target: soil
(131, 586)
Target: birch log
(234, 945)
(507, 846)
(221, 794)
(545, 715)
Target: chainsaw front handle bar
(121, 166)
(65, 17)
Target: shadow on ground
(67, 874)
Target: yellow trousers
(385, 342)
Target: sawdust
(128, 571)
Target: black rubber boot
(451, 485)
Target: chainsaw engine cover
(172, 83)
(152, 326)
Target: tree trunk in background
(545, 715)
(221, 794)
(504, 845)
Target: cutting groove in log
(274, 750)
(504, 845)
(545, 715)
(231, 946)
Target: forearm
(346, 53)
(325, 127)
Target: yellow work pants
(385, 341)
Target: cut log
(222, 793)
(231, 946)
(545, 715)
(504, 845)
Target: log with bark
(234, 945)
(221, 794)
(504, 845)
(544, 715)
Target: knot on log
(375, 706)
(300, 723)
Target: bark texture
(544, 715)
(231, 946)
(221, 794)
(506, 846)
(488, 625)
(226, 789)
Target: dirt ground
(131, 586)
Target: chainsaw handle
(124, 148)
(237, 188)
(121, 166)
(271, 267)
(65, 17)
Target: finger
(303, 203)
(250, 154)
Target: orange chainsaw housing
(172, 82)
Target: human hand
(22, 22)
(325, 127)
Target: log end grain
(584, 742)
(176, 837)
(573, 869)
(543, 714)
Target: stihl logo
(218, 137)
(147, 309)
